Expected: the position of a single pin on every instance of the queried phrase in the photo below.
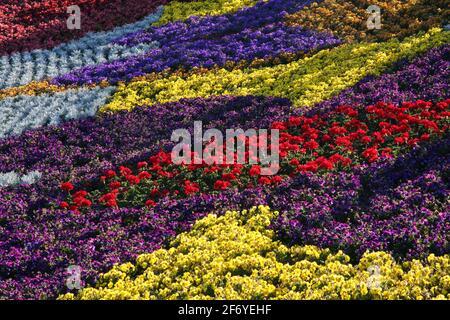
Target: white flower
(23, 112)
(9, 179)
(13, 179)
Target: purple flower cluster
(266, 42)
(210, 27)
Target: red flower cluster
(78, 198)
(339, 139)
(29, 24)
(347, 136)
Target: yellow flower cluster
(35, 88)
(305, 82)
(348, 19)
(234, 256)
(176, 10)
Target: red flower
(86, 203)
(378, 137)
(110, 173)
(150, 203)
(133, 179)
(156, 167)
(255, 171)
(399, 140)
(413, 142)
(294, 162)
(371, 109)
(237, 169)
(124, 171)
(311, 145)
(310, 166)
(366, 139)
(386, 152)
(144, 175)
(190, 187)
(336, 158)
(114, 185)
(277, 179)
(67, 186)
(111, 203)
(64, 205)
(347, 110)
(264, 181)
(343, 141)
(279, 125)
(109, 197)
(346, 162)
(325, 164)
(80, 194)
(294, 121)
(78, 200)
(371, 154)
(221, 185)
(142, 164)
(228, 176)
(161, 157)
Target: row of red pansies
(28, 25)
(337, 140)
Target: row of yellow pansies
(182, 10)
(305, 82)
(234, 256)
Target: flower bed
(311, 80)
(21, 113)
(338, 140)
(334, 211)
(235, 257)
(95, 47)
(178, 10)
(87, 181)
(398, 18)
(270, 41)
(30, 25)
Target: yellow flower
(305, 82)
(233, 256)
(177, 10)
